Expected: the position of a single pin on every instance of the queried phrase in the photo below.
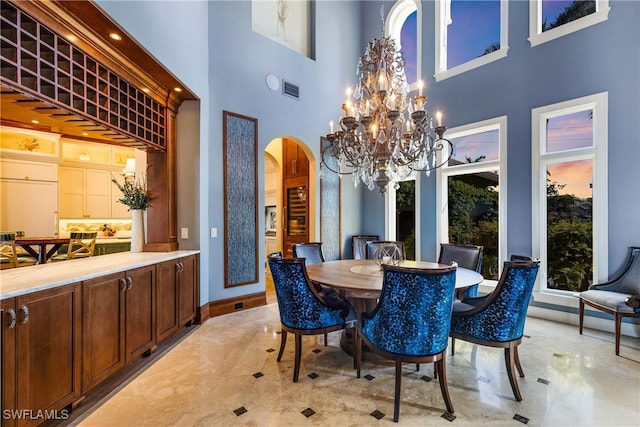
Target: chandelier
(384, 136)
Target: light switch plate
(214, 232)
(184, 232)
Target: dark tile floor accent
(308, 412)
(258, 374)
(270, 350)
(484, 380)
(313, 375)
(426, 378)
(545, 382)
(241, 410)
(377, 415)
(523, 420)
(448, 416)
(316, 350)
(368, 377)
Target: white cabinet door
(84, 193)
(98, 193)
(71, 192)
(30, 206)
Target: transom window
(403, 25)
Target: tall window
(569, 154)
(404, 27)
(550, 19)
(472, 196)
(469, 34)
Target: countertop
(23, 280)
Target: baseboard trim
(231, 305)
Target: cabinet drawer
(28, 170)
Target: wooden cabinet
(177, 291)
(84, 193)
(118, 322)
(295, 160)
(41, 348)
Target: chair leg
(296, 365)
(441, 367)
(618, 324)
(517, 362)
(509, 357)
(325, 339)
(357, 357)
(453, 346)
(396, 400)
(283, 341)
(581, 316)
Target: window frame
(442, 20)
(396, 17)
(538, 37)
(598, 104)
(442, 181)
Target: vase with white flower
(135, 197)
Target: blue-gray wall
(211, 48)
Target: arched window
(403, 25)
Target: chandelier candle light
(384, 135)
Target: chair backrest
(466, 256)
(502, 314)
(81, 245)
(299, 304)
(515, 257)
(310, 251)
(375, 244)
(8, 255)
(413, 314)
(359, 245)
(628, 282)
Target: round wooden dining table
(362, 278)
(360, 281)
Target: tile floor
(225, 374)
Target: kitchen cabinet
(295, 160)
(84, 193)
(177, 295)
(31, 206)
(118, 322)
(41, 346)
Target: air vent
(290, 89)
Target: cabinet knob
(14, 318)
(130, 282)
(25, 310)
(124, 284)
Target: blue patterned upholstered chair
(410, 323)
(359, 244)
(375, 244)
(312, 253)
(497, 319)
(304, 311)
(619, 297)
(466, 256)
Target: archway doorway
(289, 198)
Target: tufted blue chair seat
(497, 320)
(411, 322)
(619, 297)
(304, 311)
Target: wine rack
(36, 60)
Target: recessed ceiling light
(177, 89)
(35, 121)
(85, 133)
(145, 89)
(115, 36)
(72, 38)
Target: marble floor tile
(225, 374)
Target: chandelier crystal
(384, 136)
